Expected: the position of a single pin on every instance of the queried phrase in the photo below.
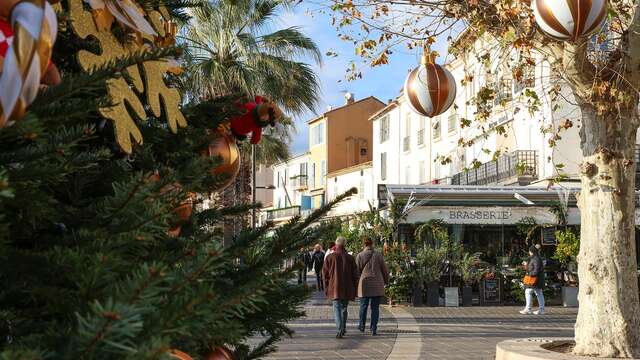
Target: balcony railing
(406, 143)
(281, 213)
(299, 182)
(519, 165)
(421, 137)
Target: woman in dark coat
(535, 267)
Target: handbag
(530, 280)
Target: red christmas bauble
(220, 353)
(224, 145)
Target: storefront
(498, 222)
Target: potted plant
(468, 268)
(567, 248)
(428, 269)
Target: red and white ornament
(430, 89)
(569, 19)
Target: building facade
(358, 176)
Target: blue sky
(383, 82)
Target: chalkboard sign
(490, 292)
(549, 236)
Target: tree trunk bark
(608, 323)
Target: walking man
(373, 278)
(340, 276)
(317, 260)
(305, 258)
(535, 268)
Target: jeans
(375, 312)
(340, 313)
(302, 276)
(319, 283)
(528, 294)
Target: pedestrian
(374, 275)
(340, 275)
(305, 258)
(535, 283)
(317, 259)
(330, 250)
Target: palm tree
(231, 50)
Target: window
(313, 176)
(361, 188)
(407, 175)
(527, 79)
(323, 171)
(278, 180)
(436, 171)
(406, 142)
(422, 174)
(317, 134)
(303, 169)
(383, 166)
(435, 128)
(286, 176)
(384, 129)
(453, 122)
(363, 151)
(421, 131)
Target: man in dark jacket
(340, 275)
(535, 267)
(317, 261)
(305, 258)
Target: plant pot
(433, 293)
(467, 296)
(416, 296)
(451, 295)
(570, 296)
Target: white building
(290, 181)
(359, 177)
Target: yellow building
(338, 139)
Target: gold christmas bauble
(223, 145)
(220, 353)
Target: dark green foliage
(89, 271)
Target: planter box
(467, 296)
(490, 292)
(451, 297)
(433, 294)
(416, 296)
(569, 296)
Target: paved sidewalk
(406, 333)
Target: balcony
(517, 167)
(420, 137)
(299, 182)
(406, 143)
(283, 213)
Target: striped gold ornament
(35, 28)
(569, 20)
(430, 89)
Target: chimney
(348, 98)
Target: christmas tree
(105, 254)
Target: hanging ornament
(569, 19)
(220, 353)
(125, 12)
(258, 114)
(223, 145)
(430, 88)
(180, 355)
(182, 212)
(34, 26)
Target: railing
(421, 137)
(406, 143)
(522, 164)
(283, 212)
(299, 182)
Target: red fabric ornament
(220, 353)
(258, 114)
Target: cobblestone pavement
(407, 333)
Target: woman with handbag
(534, 282)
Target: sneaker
(339, 335)
(361, 328)
(538, 312)
(525, 312)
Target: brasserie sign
(480, 215)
